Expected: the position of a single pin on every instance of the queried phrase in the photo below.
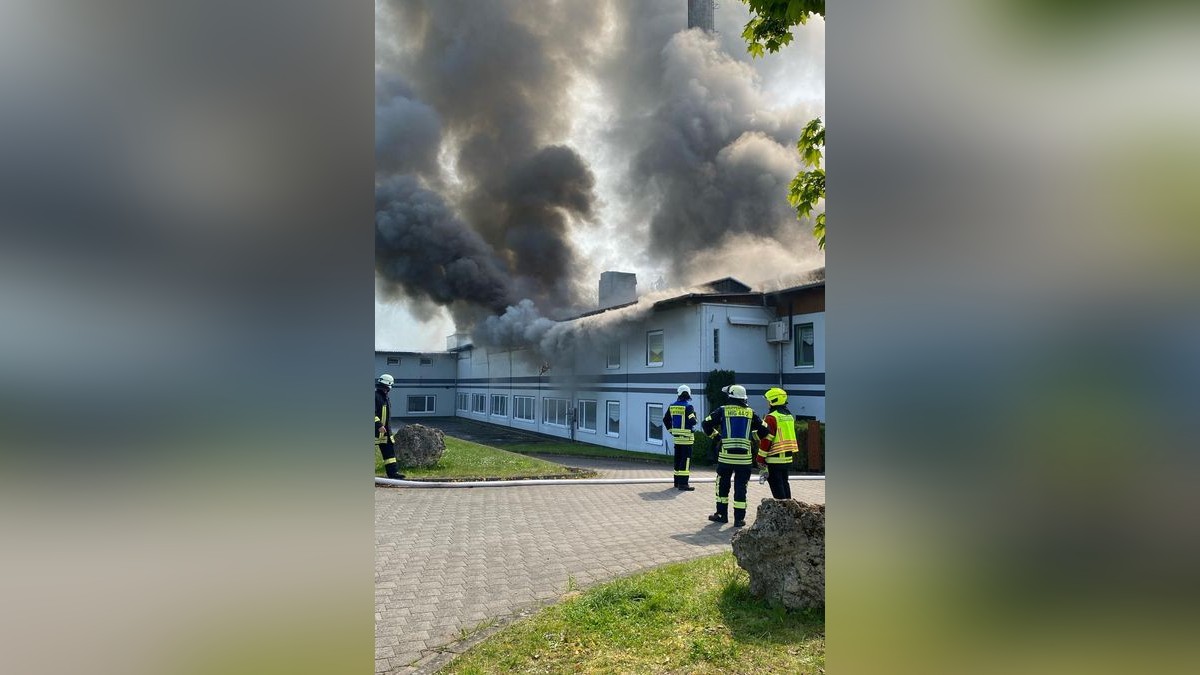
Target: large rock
(419, 445)
(784, 552)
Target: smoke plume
(479, 195)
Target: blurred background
(186, 321)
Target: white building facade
(615, 396)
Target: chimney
(617, 288)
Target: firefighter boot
(393, 472)
(739, 517)
(722, 514)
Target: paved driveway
(447, 560)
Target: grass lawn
(464, 460)
(692, 617)
(582, 450)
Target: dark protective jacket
(735, 425)
(383, 414)
(680, 420)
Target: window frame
(797, 333)
(532, 406)
(608, 354)
(475, 398)
(561, 406)
(503, 399)
(463, 402)
(663, 337)
(581, 418)
(716, 345)
(608, 419)
(425, 361)
(650, 419)
(430, 403)
(393, 360)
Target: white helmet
(684, 389)
(737, 391)
(386, 380)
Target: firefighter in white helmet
(383, 426)
(735, 424)
(680, 420)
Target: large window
(613, 427)
(523, 408)
(554, 411)
(421, 404)
(464, 402)
(654, 348)
(479, 403)
(654, 423)
(802, 344)
(716, 345)
(587, 416)
(499, 405)
(612, 358)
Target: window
(587, 416)
(654, 424)
(614, 419)
(802, 344)
(463, 402)
(612, 358)
(421, 404)
(523, 408)
(479, 403)
(716, 345)
(654, 348)
(499, 405)
(393, 360)
(554, 411)
(426, 361)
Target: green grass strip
(464, 460)
(692, 617)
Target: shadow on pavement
(660, 495)
(709, 534)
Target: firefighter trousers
(739, 475)
(777, 478)
(683, 464)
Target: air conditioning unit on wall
(777, 331)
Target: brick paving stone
(449, 559)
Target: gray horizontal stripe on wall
(442, 382)
(804, 378)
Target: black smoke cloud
(496, 76)
(424, 251)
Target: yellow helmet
(776, 396)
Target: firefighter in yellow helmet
(735, 424)
(680, 420)
(779, 446)
(383, 426)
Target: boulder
(784, 552)
(419, 445)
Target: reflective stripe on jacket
(680, 420)
(781, 440)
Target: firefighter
(383, 427)
(779, 446)
(735, 424)
(681, 421)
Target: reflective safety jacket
(780, 443)
(680, 420)
(383, 407)
(735, 424)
